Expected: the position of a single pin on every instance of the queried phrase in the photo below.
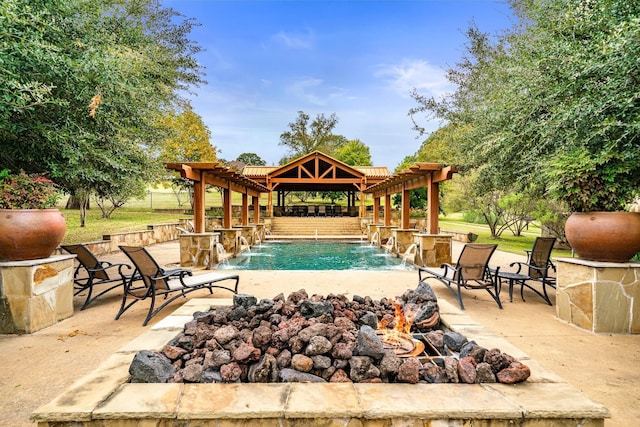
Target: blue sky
(267, 60)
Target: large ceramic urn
(27, 234)
(604, 236)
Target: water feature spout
(244, 244)
(410, 254)
(222, 253)
(390, 245)
(256, 238)
(375, 239)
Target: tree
(354, 153)
(303, 138)
(83, 82)
(188, 139)
(552, 102)
(251, 159)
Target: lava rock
(433, 374)
(318, 345)
(244, 300)
(340, 376)
(409, 371)
(467, 370)
(321, 362)
(370, 319)
(292, 376)
(484, 374)
(497, 360)
(454, 340)
(225, 334)
(369, 343)
(515, 373)
(150, 367)
(216, 358)
(192, 373)
(264, 305)
(390, 364)
(317, 329)
(231, 372)
(265, 371)
(362, 368)
(451, 369)
(310, 309)
(426, 289)
(301, 363)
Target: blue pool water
(315, 255)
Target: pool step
(316, 226)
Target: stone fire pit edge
(105, 398)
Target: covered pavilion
(314, 172)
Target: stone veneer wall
(434, 249)
(35, 294)
(599, 296)
(199, 249)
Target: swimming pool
(314, 255)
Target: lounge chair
(155, 281)
(536, 269)
(470, 272)
(322, 210)
(92, 272)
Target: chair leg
(90, 288)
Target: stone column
(35, 294)
(434, 249)
(602, 297)
(198, 249)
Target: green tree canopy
(188, 138)
(82, 84)
(354, 153)
(303, 137)
(251, 159)
(553, 103)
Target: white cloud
(304, 90)
(295, 41)
(404, 77)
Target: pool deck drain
(104, 398)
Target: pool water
(315, 255)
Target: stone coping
(599, 264)
(33, 262)
(104, 398)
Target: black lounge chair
(92, 272)
(471, 272)
(536, 269)
(155, 282)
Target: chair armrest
(106, 265)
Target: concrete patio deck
(35, 368)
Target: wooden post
(376, 210)
(227, 210)
(387, 209)
(198, 204)
(245, 209)
(433, 206)
(406, 206)
(256, 208)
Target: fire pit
(304, 338)
(107, 398)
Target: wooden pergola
(202, 173)
(428, 175)
(319, 172)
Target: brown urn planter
(27, 234)
(604, 236)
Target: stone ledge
(599, 264)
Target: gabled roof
(316, 171)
